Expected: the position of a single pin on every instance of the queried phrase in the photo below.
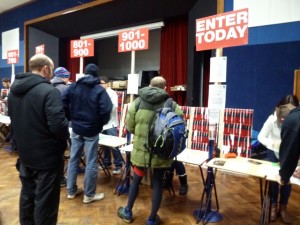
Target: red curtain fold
(173, 56)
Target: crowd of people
(44, 107)
(50, 114)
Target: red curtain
(72, 63)
(173, 56)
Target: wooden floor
(239, 200)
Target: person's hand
(279, 180)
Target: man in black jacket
(41, 133)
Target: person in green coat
(137, 122)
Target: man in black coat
(41, 132)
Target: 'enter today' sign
(222, 30)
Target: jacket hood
(153, 95)
(26, 81)
(89, 80)
(57, 80)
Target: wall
(261, 73)
(112, 63)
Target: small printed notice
(218, 67)
(133, 84)
(216, 101)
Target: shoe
(78, 192)
(274, 212)
(117, 171)
(125, 214)
(96, 197)
(63, 182)
(183, 189)
(156, 222)
(286, 218)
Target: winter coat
(38, 121)
(58, 83)
(87, 106)
(137, 122)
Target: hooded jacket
(38, 121)
(87, 106)
(59, 83)
(137, 122)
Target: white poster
(10, 41)
(133, 84)
(218, 67)
(216, 101)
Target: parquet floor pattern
(239, 200)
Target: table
(244, 166)
(4, 124)
(108, 141)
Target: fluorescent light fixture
(112, 33)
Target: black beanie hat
(92, 69)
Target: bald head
(158, 82)
(42, 65)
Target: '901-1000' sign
(133, 40)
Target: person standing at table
(269, 136)
(111, 128)
(137, 121)
(59, 81)
(41, 132)
(88, 106)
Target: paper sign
(82, 48)
(222, 30)
(218, 66)
(12, 57)
(216, 101)
(40, 49)
(133, 40)
(133, 84)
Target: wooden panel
(297, 83)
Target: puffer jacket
(38, 121)
(137, 122)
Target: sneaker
(96, 197)
(117, 171)
(63, 182)
(155, 222)
(183, 189)
(125, 214)
(78, 192)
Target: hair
(158, 82)
(285, 105)
(6, 80)
(38, 61)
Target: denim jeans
(285, 190)
(115, 151)
(90, 145)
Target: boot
(183, 185)
(284, 214)
(274, 212)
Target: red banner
(222, 30)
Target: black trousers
(39, 198)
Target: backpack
(166, 131)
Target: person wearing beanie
(88, 106)
(60, 79)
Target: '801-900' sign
(82, 48)
(133, 40)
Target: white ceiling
(11, 4)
